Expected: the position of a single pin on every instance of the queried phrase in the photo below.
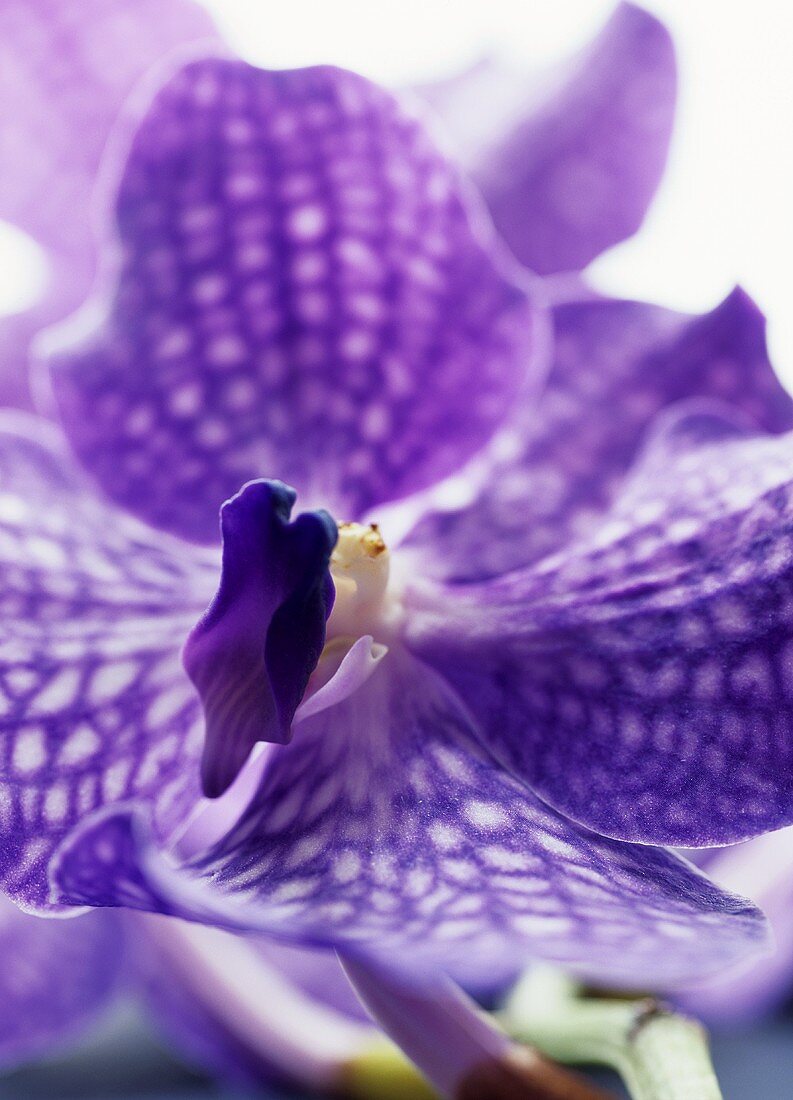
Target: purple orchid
(246, 1010)
(487, 726)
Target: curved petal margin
(571, 172)
(616, 365)
(305, 289)
(641, 680)
(762, 867)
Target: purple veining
(479, 737)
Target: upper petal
(305, 290)
(383, 828)
(66, 67)
(640, 680)
(616, 364)
(95, 704)
(572, 172)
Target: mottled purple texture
(570, 171)
(251, 655)
(56, 977)
(383, 827)
(66, 67)
(616, 365)
(94, 609)
(305, 289)
(640, 680)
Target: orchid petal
(762, 867)
(305, 287)
(251, 655)
(95, 704)
(640, 681)
(570, 173)
(384, 829)
(616, 365)
(66, 67)
(57, 976)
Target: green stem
(659, 1055)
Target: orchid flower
(473, 718)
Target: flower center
(359, 566)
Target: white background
(725, 211)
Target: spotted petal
(616, 365)
(571, 171)
(95, 704)
(57, 976)
(383, 827)
(66, 67)
(640, 681)
(305, 289)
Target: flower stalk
(461, 1051)
(659, 1055)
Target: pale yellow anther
(359, 567)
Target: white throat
(359, 567)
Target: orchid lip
(251, 654)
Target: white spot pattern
(637, 678)
(259, 315)
(468, 867)
(95, 704)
